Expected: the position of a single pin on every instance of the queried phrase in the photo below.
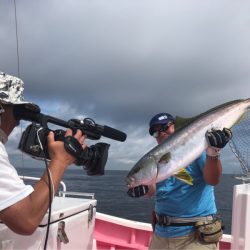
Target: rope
(240, 144)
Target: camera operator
(22, 207)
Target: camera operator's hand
(57, 150)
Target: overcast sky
(121, 62)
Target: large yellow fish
(185, 145)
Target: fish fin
(182, 121)
(165, 158)
(184, 176)
(158, 169)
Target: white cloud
(120, 62)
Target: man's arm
(151, 190)
(24, 216)
(212, 171)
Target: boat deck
(115, 233)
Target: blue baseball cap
(160, 119)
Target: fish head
(143, 173)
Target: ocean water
(110, 192)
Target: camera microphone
(113, 133)
(88, 126)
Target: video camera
(34, 139)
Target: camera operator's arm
(24, 216)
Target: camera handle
(73, 147)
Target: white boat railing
(81, 194)
(63, 190)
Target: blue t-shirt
(178, 199)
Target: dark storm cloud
(121, 62)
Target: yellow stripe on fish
(184, 176)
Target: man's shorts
(187, 242)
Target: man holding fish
(185, 209)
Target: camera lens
(98, 155)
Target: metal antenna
(18, 63)
(17, 44)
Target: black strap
(182, 224)
(73, 147)
(176, 224)
(163, 221)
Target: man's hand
(217, 139)
(137, 191)
(57, 150)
